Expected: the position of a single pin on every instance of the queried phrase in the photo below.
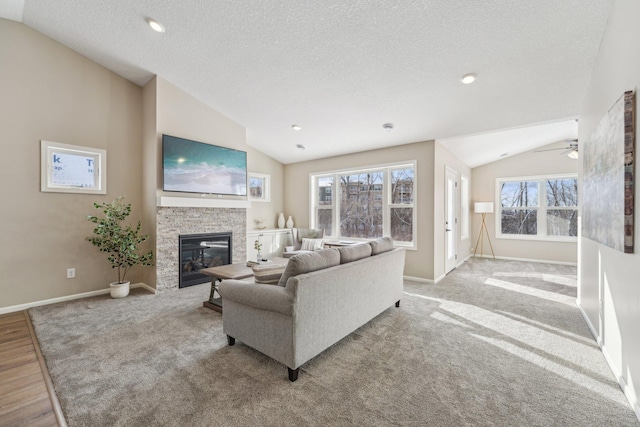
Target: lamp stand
(480, 240)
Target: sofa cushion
(354, 252)
(268, 273)
(383, 244)
(308, 262)
(311, 244)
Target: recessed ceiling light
(468, 78)
(295, 127)
(155, 25)
(388, 127)
(301, 147)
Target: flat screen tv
(195, 167)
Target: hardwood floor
(26, 393)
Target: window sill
(555, 239)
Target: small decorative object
(281, 220)
(258, 246)
(120, 241)
(289, 222)
(260, 224)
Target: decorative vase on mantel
(289, 222)
(281, 220)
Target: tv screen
(196, 167)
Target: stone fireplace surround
(174, 221)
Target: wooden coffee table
(237, 271)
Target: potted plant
(120, 241)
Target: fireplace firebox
(198, 251)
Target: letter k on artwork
(56, 159)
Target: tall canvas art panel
(607, 184)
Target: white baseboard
(418, 279)
(29, 305)
(464, 260)
(544, 261)
(628, 391)
(589, 324)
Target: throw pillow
(383, 244)
(354, 252)
(311, 244)
(269, 273)
(306, 262)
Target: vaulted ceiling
(341, 69)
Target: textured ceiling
(341, 69)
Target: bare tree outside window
(360, 212)
(516, 197)
(324, 214)
(526, 212)
(402, 194)
(562, 194)
(366, 203)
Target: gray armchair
(302, 233)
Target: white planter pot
(119, 290)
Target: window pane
(361, 205)
(519, 221)
(402, 186)
(562, 192)
(562, 222)
(402, 224)
(519, 194)
(325, 188)
(325, 220)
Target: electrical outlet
(71, 273)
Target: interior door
(450, 219)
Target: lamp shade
(483, 207)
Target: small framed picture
(259, 187)
(72, 169)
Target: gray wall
(609, 288)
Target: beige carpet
(496, 343)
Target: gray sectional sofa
(321, 297)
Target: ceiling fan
(571, 149)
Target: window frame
(541, 209)
(387, 206)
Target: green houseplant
(120, 241)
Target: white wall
(443, 159)
(483, 189)
(609, 284)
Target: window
(464, 207)
(368, 203)
(538, 208)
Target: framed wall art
(259, 187)
(68, 168)
(607, 177)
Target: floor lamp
(483, 208)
